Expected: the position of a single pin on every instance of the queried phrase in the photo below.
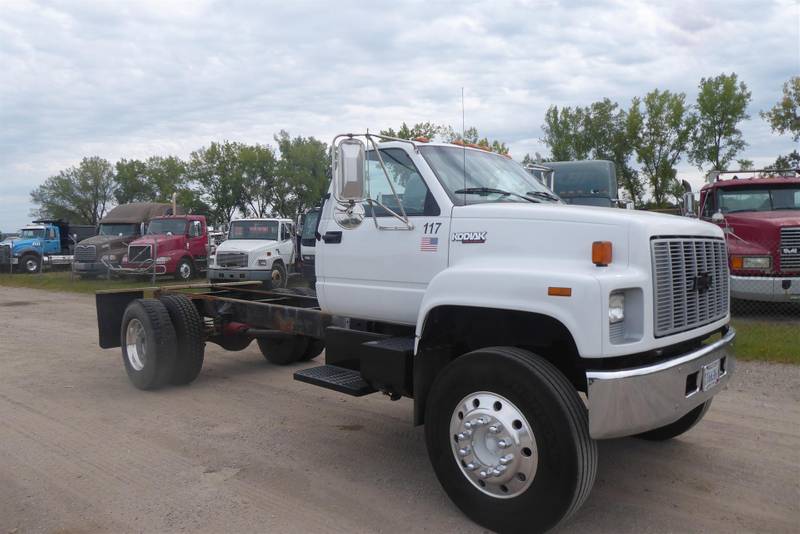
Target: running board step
(336, 378)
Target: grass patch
(768, 341)
(64, 281)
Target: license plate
(710, 375)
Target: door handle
(332, 237)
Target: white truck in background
(260, 249)
(524, 329)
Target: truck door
(52, 240)
(380, 274)
(198, 242)
(286, 243)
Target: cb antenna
(464, 144)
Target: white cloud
(135, 78)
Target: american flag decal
(429, 244)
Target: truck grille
(790, 249)
(5, 254)
(690, 283)
(85, 253)
(232, 259)
(139, 253)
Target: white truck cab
(256, 249)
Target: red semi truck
(174, 245)
(760, 215)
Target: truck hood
(765, 218)
(165, 242)
(653, 224)
(245, 245)
(106, 242)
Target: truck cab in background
(584, 182)
(174, 245)
(256, 249)
(102, 253)
(50, 242)
(760, 215)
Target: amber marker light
(601, 253)
(737, 262)
(559, 291)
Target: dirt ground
(245, 448)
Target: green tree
(131, 182)
(218, 172)
(785, 115)
(721, 105)
(421, 129)
(79, 194)
(303, 171)
(566, 133)
(165, 175)
(660, 134)
(259, 166)
(789, 161)
(745, 164)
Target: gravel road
(245, 448)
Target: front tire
(185, 270)
(278, 277)
(684, 424)
(509, 441)
(148, 343)
(30, 263)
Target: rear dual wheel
(162, 342)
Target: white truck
(256, 249)
(523, 328)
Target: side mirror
(349, 170)
(688, 206)
(225, 227)
(142, 228)
(718, 217)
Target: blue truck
(44, 242)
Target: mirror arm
(404, 218)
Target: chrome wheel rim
(136, 344)
(277, 277)
(185, 270)
(493, 444)
(30, 265)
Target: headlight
(125, 258)
(109, 257)
(262, 263)
(162, 260)
(753, 263)
(616, 308)
(308, 258)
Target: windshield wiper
(490, 190)
(543, 194)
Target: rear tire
(314, 349)
(283, 350)
(684, 424)
(189, 334)
(548, 462)
(148, 343)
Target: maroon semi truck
(760, 215)
(174, 245)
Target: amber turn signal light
(737, 262)
(559, 291)
(601, 253)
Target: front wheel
(185, 270)
(278, 276)
(30, 263)
(509, 441)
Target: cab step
(336, 378)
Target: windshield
(167, 226)
(584, 180)
(32, 232)
(759, 199)
(310, 224)
(254, 230)
(118, 229)
(484, 171)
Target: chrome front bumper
(766, 289)
(630, 401)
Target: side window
(406, 179)
(51, 233)
(286, 232)
(196, 229)
(708, 206)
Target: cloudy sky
(142, 77)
